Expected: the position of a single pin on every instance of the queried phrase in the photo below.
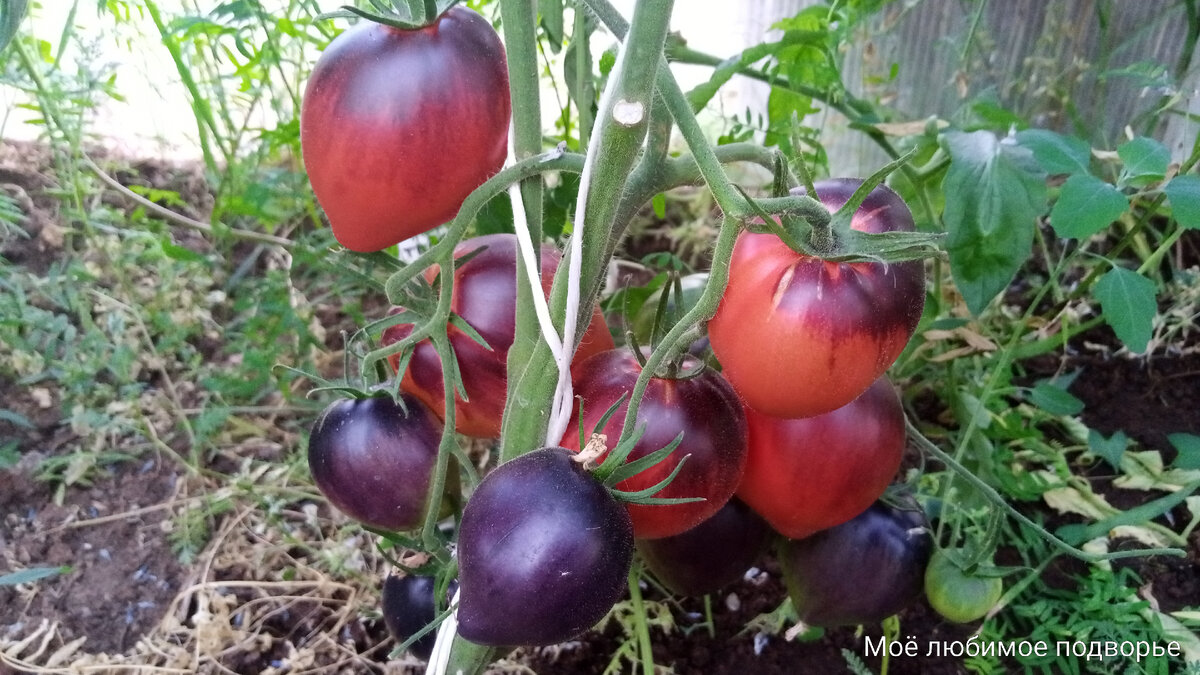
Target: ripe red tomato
(485, 289)
(703, 407)
(373, 459)
(807, 474)
(799, 336)
(397, 127)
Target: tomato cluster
(790, 433)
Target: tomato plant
(860, 572)
(397, 126)
(485, 289)
(409, 605)
(811, 473)
(958, 595)
(702, 407)
(544, 551)
(799, 336)
(711, 555)
(373, 458)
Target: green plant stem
(204, 117)
(615, 147)
(999, 502)
(468, 658)
(645, 651)
(520, 42)
(676, 338)
(474, 203)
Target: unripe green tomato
(956, 595)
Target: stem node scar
(629, 113)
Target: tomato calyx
(402, 15)
(614, 468)
(807, 227)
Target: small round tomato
(807, 474)
(859, 572)
(544, 552)
(711, 555)
(485, 290)
(799, 336)
(373, 459)
(397, 127)
(409, 605)
(702, 407)
(956, 595)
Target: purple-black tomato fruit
(408, 606)
(711, 555)
(373, 459)
(544, 552)
(859, 572)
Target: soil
(128, 599)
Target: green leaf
(1145, 160)
(16, 419)
(1057, 154)
(552, 22)
(1188, 446)
(1127, 300)
(176, 252)
(10, 456)
(1055, 400)
(998, 192)
(659, 202)
(32, 574)
(1184, 193)
(1085, 206)
(1076, 534)
(1109, 449)
(12, 12)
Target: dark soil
(124, 575)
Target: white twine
(563, 349)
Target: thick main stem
(617, 141)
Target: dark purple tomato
(703, 407)
(861, 571)
(799, 336)
(399, 126)
(544, 552)
(374, 461)
(409, 606)
(711, 555)
(485, 291)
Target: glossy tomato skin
(398, 127)
(408, 606)
(859, 572)
(703, 407)
(808, 474)
(956, 595)
(485, 289)
(373, 459)
(544, 552)
(711, 555)
(798, 336)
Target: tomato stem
(641, 630)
